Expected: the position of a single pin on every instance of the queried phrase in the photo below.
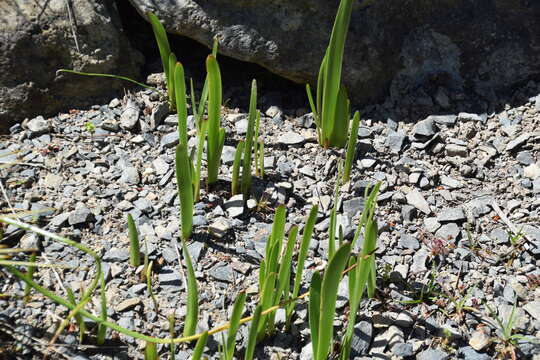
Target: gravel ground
(459, 218)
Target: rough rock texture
(403, 46)
(37, 39)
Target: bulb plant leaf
(163, 45)
(185, 191)
(365, 271)
(216, 134)
(351, 148)
(150, 351)
(134, 250)
(327, 309)
(199, 347)
(181, 105)
(192, 312)
(302, 254)
(248, 148)
(252, 334)
(331, 109)
(235, 183)
(234, 323)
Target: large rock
(39, 37)
(434, 47)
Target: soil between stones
(459, 208)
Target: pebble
(80, 216)
(479, 340)
(38, 126)
(416, 199)
(432, 354)
(425, 128)
(130, 176)
(130, 115)
(361, 339)
(291, 138)
(451, 215)
(517, 142)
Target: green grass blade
(284, 274)
(119, 77)
(262, 276)
(329, 288)
(171, 80)
(261, 159)
(252, 335)
(199, 347)
(171, 319)
(200, 148)
(150, 351)
(102, 328)
(314, 311)
(236, 167)
(214, 112)
(302, 254)
(134, 250)
(266, 302)
(278, 231)
(192, 313)
(248, 149)
(351, 148)
(181, 105)
(185, 190)
(30, 274)
(256, 152)
(238, 309)
(78, 317)
(162, 41)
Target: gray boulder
(39, 37)
(400, 46)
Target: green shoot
(236, 167)
(252, 335)
(134, 251)
(351, 148)
(199, 347)
(248, 148)
(192, 313)
(185, 191)
(78, 317)
(150, 351)
(238, 308)
(216, 134)
(322, 311)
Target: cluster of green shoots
(277, 289)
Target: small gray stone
(431, 224)
(450, 182)
(499, 236)
(222, 273)
(463, 116)
(227, 156)
(479, 340)
(116, 255)
(144, 205)
(407, 241)
(291, 138)
(532, 171)
(444, 119)
(451, 215)
(361, 339)
(402, 350)
(419, 262)
(448, 231)
(456, 150)
(170, 140)
(416, 199)
(241, 126)
(518, 142)
(59, 220)
(159, 112)
(395, 141)
(432, 354)
(353, 206)
(425, 128)
(408, 212)
(130, 175)
(533, 308)
(468, 353)
(525, 158)
(169, 278)
(38, 126)
(53, 181)
(219, 228)
(161, 166)
(80, 216)
(130, 115)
